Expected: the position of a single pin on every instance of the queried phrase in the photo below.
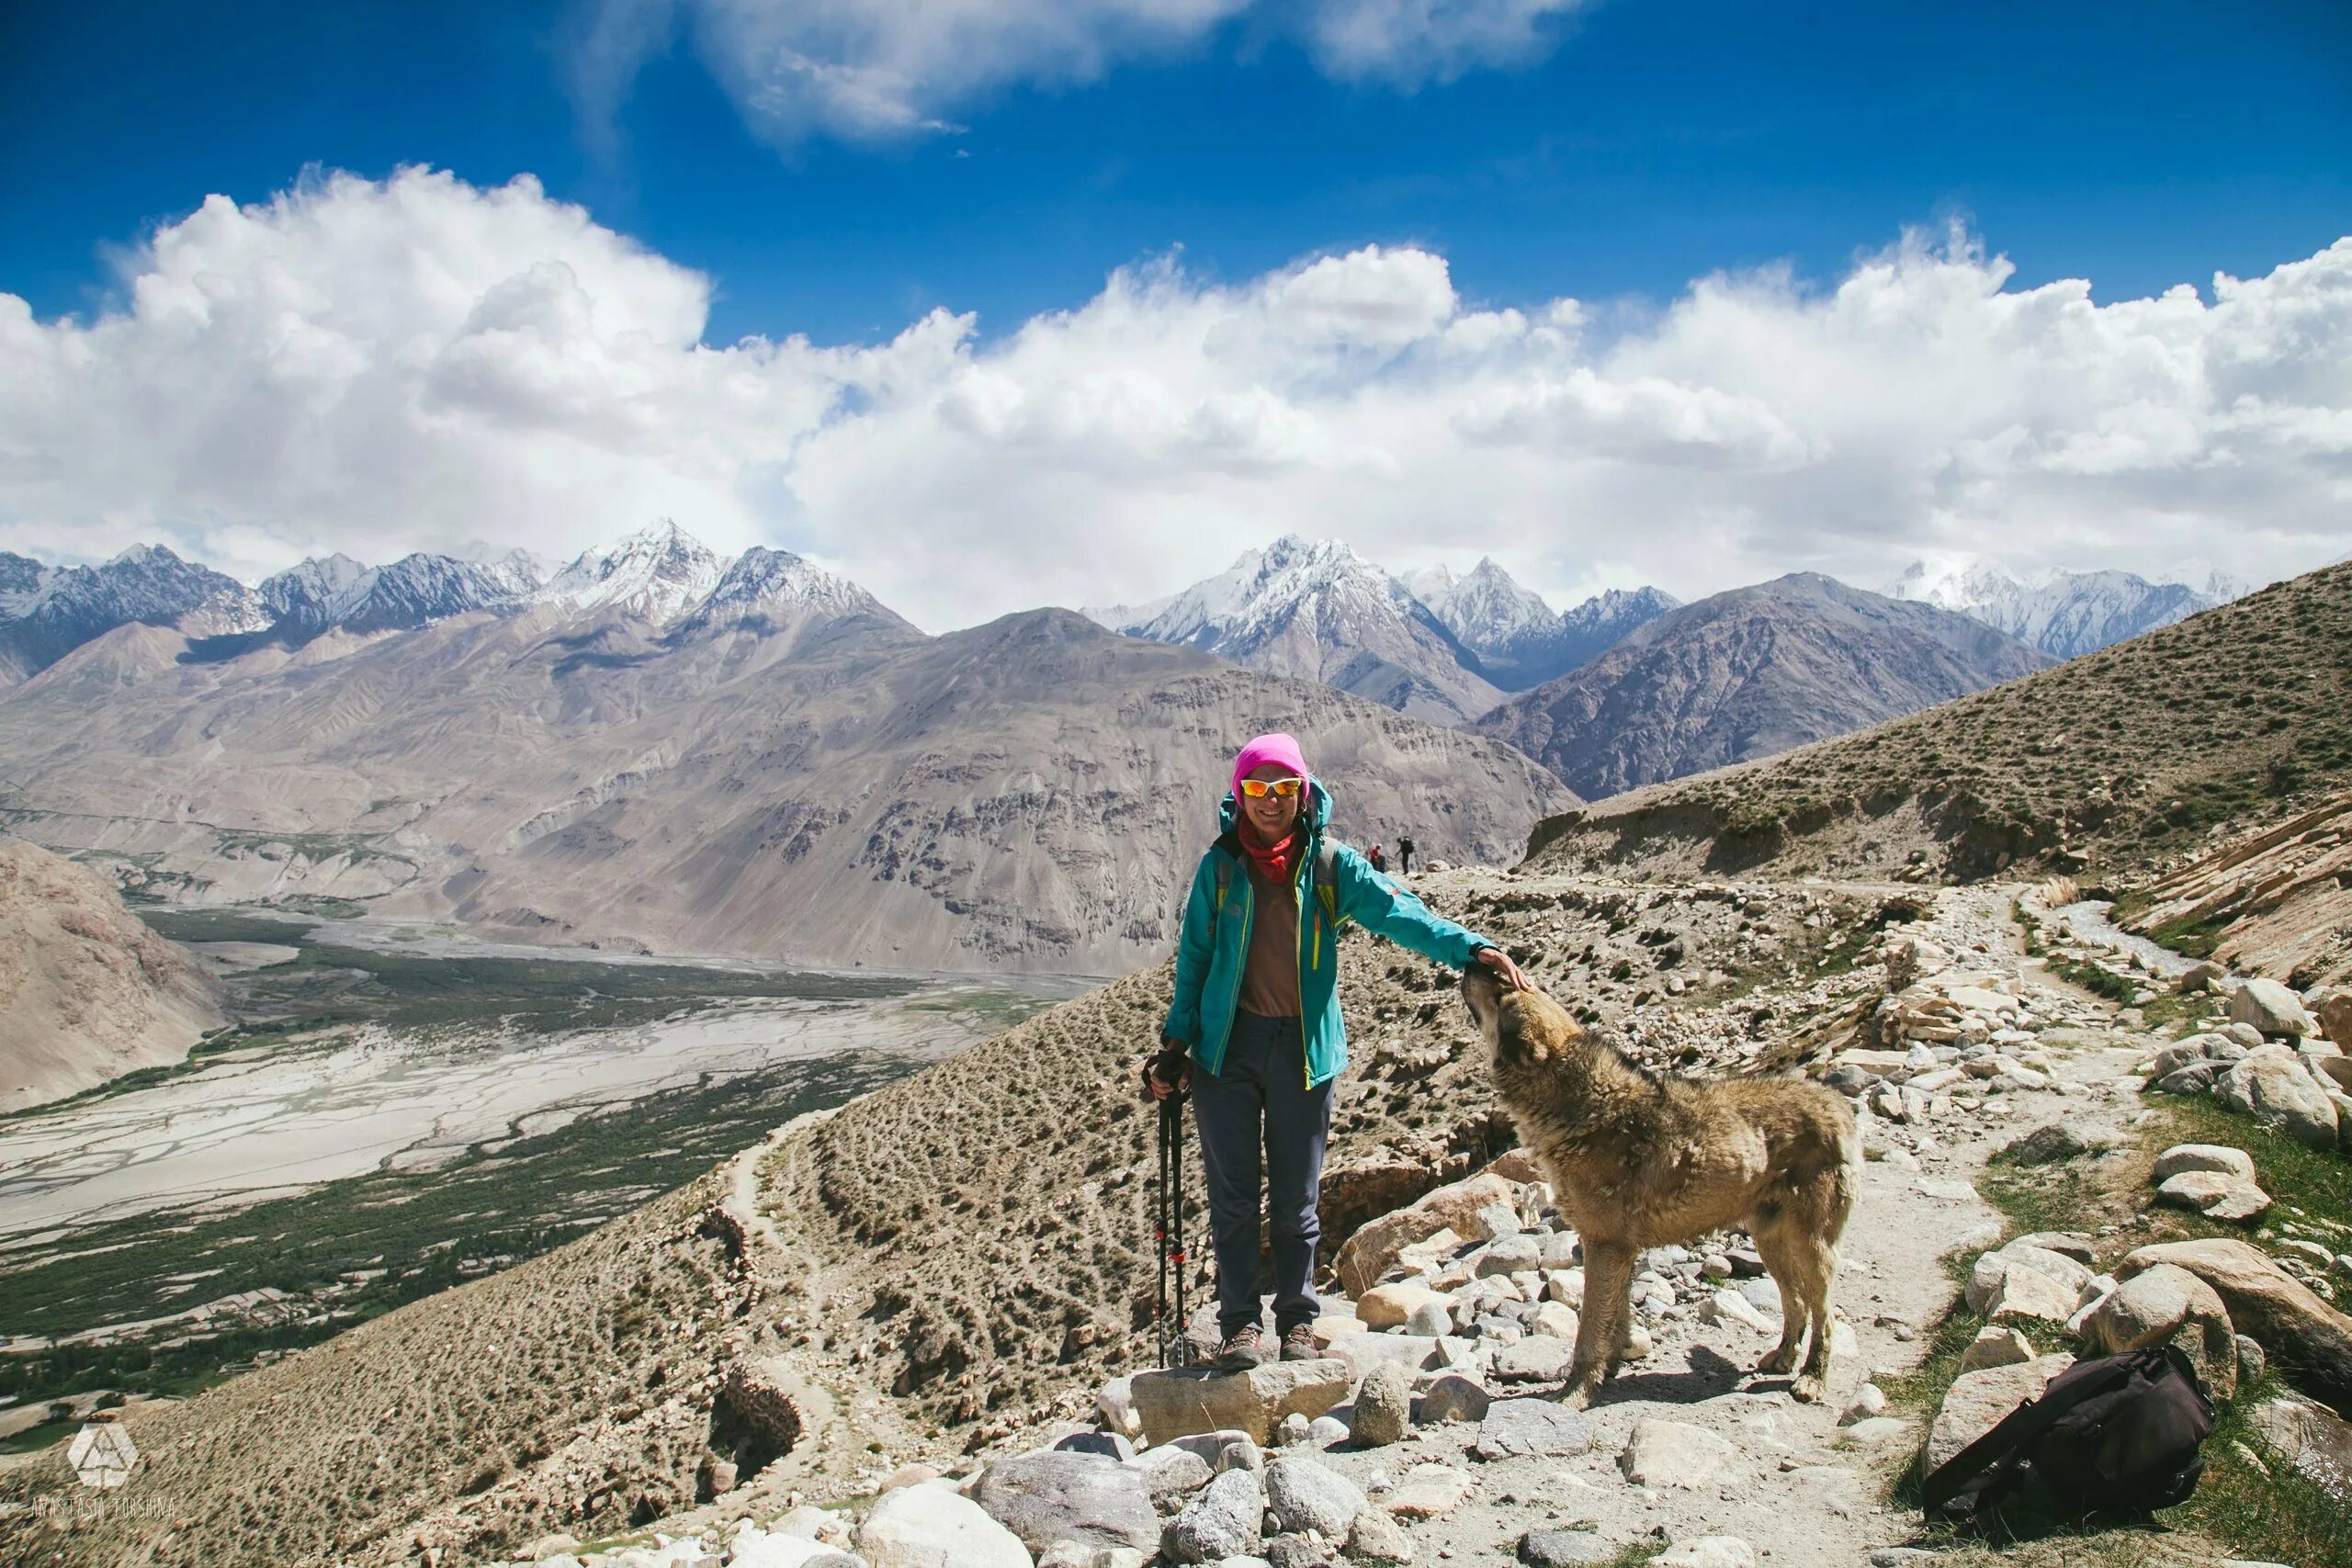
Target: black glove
(1165, 1064)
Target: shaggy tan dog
(1640, 1161)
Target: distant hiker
(1379, 862)
(1403, 856)
(1255, 1033)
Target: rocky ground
(1426, 1433)
(920, 1330)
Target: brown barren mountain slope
(1749, 673)
(953, 1257)
(88, 992)
(2108, 765)
(1021, 795)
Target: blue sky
(990, 304)
(2137, 145)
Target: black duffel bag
(2116, 1436)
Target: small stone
(2215, 1195)
(1239, 1454)
(1382, 1406)
(2028, 1296)
(1454, 1398)
(1674, 1453)
(1543, 1359)
(2219, 1157)
(1225, 1520)
(1431, 1318)
(2272, 1010)
(1732, 1306)
(1293, 1431)
(1869, 1400)
(2252, 1361)
(1515, 1427)
(1377, 1538)
(1305, 1495)
(1390, 1306)
(1996, 1345)
(1565, 1549)
(1171, 1474)
(1427, 1491)
(1509, 1254)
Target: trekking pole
(1159, 1241)
(1172, 1122)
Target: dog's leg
(1607, 1305)
(1779, 1250)
(1817, 1272)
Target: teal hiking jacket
(1215, 940)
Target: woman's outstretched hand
(1495, 959)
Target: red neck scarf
(1274, 861)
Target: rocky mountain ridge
(828, 786)
(1749, 673)
(2109, 765)
(1520, 640)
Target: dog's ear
(1518, 1029)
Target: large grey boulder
(1222, 1521)
(2274, 1087)
(1304, 1495)
(2269, 1007)
(2310, 1339)
(932, 1526)
(1057, 1496)
(1175, 1404)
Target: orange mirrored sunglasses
(1281, 789)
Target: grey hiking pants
(1261, 1100)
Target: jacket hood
(1319, 809)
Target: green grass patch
(2283, 1517)
(2191, 938)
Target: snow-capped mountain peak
(1954, 582)
(1487, 608)
(522, 571)
(765, 580)
(655, 574)
(2060, 611)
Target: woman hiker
(1255, 1033)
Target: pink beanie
(1278, 748)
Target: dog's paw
(1782, 1359)
(1808, 1389)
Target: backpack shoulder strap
(2021, 1426)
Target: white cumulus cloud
(382, 366)
(879, 70)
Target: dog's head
(1522, 1028)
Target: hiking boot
(1241, 1351)
(1298, 1343)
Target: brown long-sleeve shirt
(1270, 970)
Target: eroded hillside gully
(914, 1330)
